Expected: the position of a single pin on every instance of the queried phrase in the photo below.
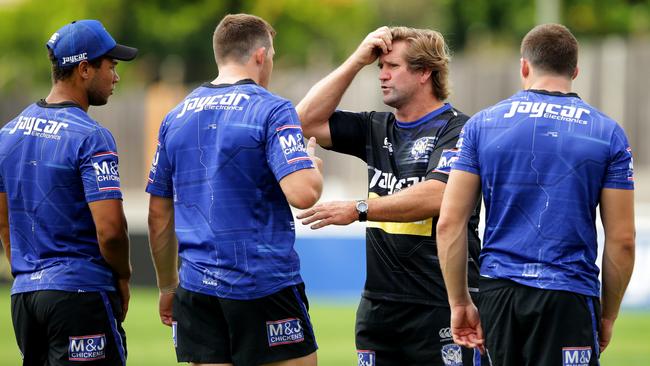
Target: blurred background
(313, 37)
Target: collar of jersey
(553, 93)
(424, 119)
(240, 82)
(68, 103)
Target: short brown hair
(238, 35)
(427, 51)
(551, 48)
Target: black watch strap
(363, 216)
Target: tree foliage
(309, 31)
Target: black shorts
(209, 329)
(69, 328)
(395, 333)
(527, 326)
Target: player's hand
(466, 327)
(311, 151)
(165, 303)
(377, 42)
(125, 295)
(605, 334)
(330, 213)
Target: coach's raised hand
(377, 42)
(320, 102)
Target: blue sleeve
(98, 165)
(160, 175)
(620, 171)
(285, 147)
(467, 147)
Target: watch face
(362, 206)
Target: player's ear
(525, 67)
(260, 55)
(575, 73)
(84, 70)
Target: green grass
(150, 342)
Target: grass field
(150, 343)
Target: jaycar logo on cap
(74, 58)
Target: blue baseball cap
(86, 40)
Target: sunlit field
(149, 342)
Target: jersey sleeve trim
(291, 161)
(288, 169)
(287, 127)
(105, 153)
(158, 192)
(109, 194)
(619, 185)
(465, 168)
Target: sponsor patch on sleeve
(292, 143)
(285, 331)
(447, 158)
(87, 348)
(365, 358)
(154, 163)
(630, 169)
(452, 355)
(106, 172)
(576, 356)
(459, 143)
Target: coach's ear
(426, 74)
(575, 73)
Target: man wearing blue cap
(61, 219)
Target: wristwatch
(362, 209)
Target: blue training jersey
(221, 154)
(54, 160)
(543, 159)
